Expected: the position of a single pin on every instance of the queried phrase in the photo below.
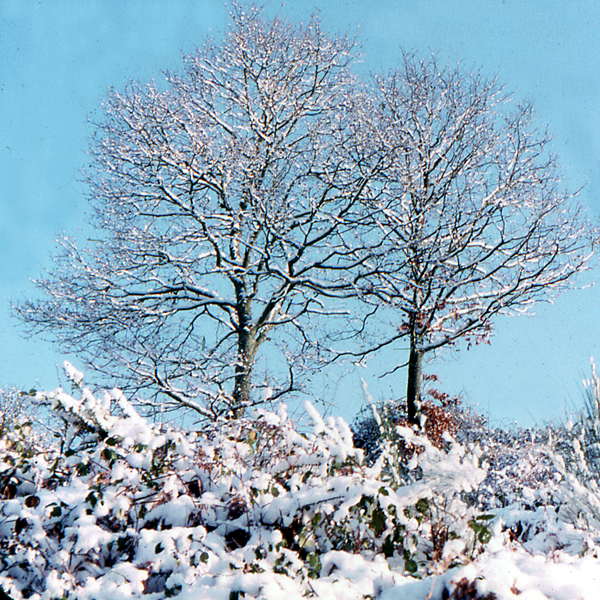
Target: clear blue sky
(58, 58)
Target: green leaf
(422, 506)
(315, 566)
(174, 591)
(388, 547)
(475, 526)
(378, 520)
(485, 535)
(158, 548)
(83, 469)
(303, 536)
(56, 511)
(122, 542)
(411, 566)
(107, 454)
(204, 557)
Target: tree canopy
(269, 206)
(475, 216)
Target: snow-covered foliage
(122, 507)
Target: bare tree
(228, 215)
(246, 206)
(475, 218)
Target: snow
(516, 572)
(253, 508)
(72, 373)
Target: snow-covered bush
(521, 463)
(555, 465)
(376, 425)
(576, 460)
(17, 406)
(130, 507)
(256, 507)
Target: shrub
(131, 507)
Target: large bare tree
(247, 206)
(228, 215)
(475, 217)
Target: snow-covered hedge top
(122, 507)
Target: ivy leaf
(411, 566)
(378, 521)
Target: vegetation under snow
(115, 506)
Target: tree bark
(247, 346)
(413, 389)
(243, 384)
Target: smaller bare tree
(473, 213)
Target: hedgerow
(119, 506)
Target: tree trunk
(243, 371)
(413, 390)
(241, 391)
(246, 346)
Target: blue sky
(58, 58)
